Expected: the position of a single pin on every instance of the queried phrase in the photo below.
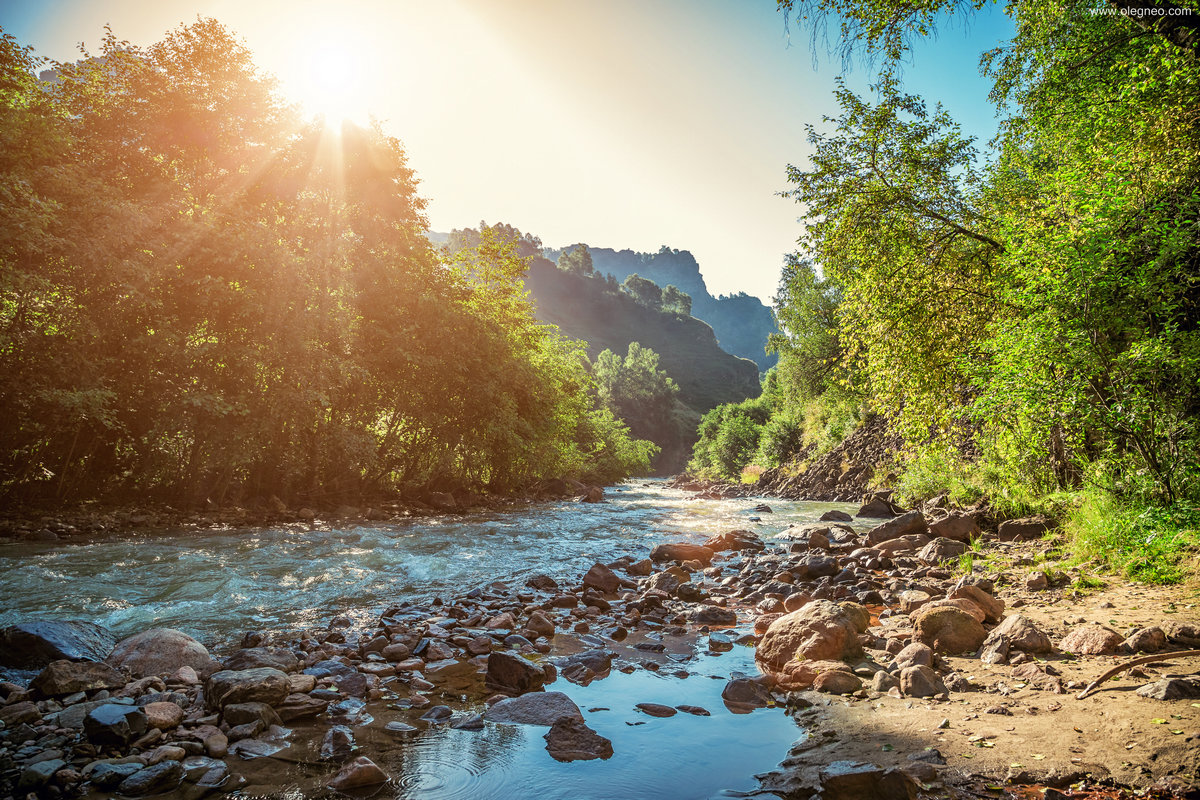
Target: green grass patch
(1151, 545)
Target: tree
(645, 291)
(577, 260)
(676, 301)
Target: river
(215, 585)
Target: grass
(1150, 545)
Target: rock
(279, 658)
(113, 725)
(948, 630)
(442, 501)
(602, 579)
(656, 709)
(836, 681)
(696, 711)
(1171, 689)
(338, 744)
(1145, 640)
(921, 681)
(569, 739)
(1036, 581)
(993, 607)
(682, 551)
(908, 524)
(914, 654)
(542, 583)
(957, 526)
(1022, 634)
(259, 685)
(1091, 640)
(746, 692)
(735, 540)
(857, 613)
(878, 506)
(162, 777)
(67, 677)
(941, 550)
(541, 624)
(849, 780)
(512, 675)
(246, 713)
(961, 603)
(902, 544)
(359, 773)
(819, 630)
(711, 615)
(595, 494)
(1019, 530)
(15, 714)
(1183, 633)
(163, 715)
(995, 649)
(836, 516)
(36, 644)
(36, 775)
(299, 706)
(159, 651)
(640, 569)
(535, 708)
(107, 775)
(912, 599)
(667, 581)
(884, 681)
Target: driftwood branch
(1135, 663)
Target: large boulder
(602, 579)
(878, 506)
(941, 550)
(68, 677)
(957, 525)
(819, 630)
(921, 681)
(1091, 640)
(279, 658)
(734, 540)
(114, 725)
(512, 675)
(993, 607)
(947, 629)
(36, 644)
(258, 685)
(904, 525)
(902, 544)
(159, 651)
(1022, 634)
(161, 777)
(535, 708)
(682, 551)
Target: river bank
(878, 687)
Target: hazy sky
(621, 123)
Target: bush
(1153, 545)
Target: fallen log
(1135, 663)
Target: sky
(620, 123)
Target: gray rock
(35, 776)
(279, 658)
(108, 776)
(836, 516)
(36, 644)
(161, 777)
(338, 744)
(535, 708)
(941, 550)
(570, 739)
(243, 713)
(1022, 634)
(711, 615)
(849, 780)
(957, 525)
(259, 685)
(1017, 530)
(112, 725)
(1145, 640)
(1171, 689)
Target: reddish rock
(819, 630)
(1091, 640)
(941, 550)
(163, 715)
(902, 544)
(1022, 634)
(912, 599)
(920, 681)
(948, 629)
(958, 526)
(795, 602)
(512, 675)
(908, 524)
(68, 677)
(836, 681)
(570, 739)
(734, 540)
(914, 654)
(1018, 530)
(962, 604)
(159, 651)
(359, 773)
(682, 551)
(1145, 640)
(993, 607)
(602, 579)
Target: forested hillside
(203, 297)
(741, 323)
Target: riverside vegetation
(1027, 318)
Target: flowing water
(217, 584)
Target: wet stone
(338, 744)
(656, 709)
(570, 739)
(161, 777)
(112, 725)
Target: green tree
(577, 260)
(643, 290)
(676, 301)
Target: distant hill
(740, 321)
(588, 308)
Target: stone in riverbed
(656, 709)
(35, 644)
(849, 780)
(819, 630)
(540, 624)
(67, 677)
(163, 715)
(338, 744)
(536, 708)
(298, 706)
(836, 516)
(162, 777)
(711, 615)
(570, 739)
(1091, 640)
(512, 675)
(904, 525)
(259, 685)
(682, 551)
(35, 776)
(107, 775)
(746, 693)
(735, 540)
(948, 629)
(113, 725)
(836, 681)
(359, 773)
(159, 651)
(279, 658)
(602, 579)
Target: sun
(331, 80)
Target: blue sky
(622, 123)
